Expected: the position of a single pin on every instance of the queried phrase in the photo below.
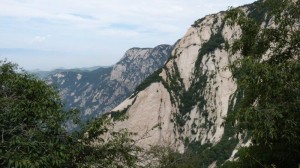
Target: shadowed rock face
(100, 90)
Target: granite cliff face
(182, 104)
(186, 102)
(100, 90)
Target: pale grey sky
(47, 34)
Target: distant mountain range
(43, 74)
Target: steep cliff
(186, 102)
(101, 90)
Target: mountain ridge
(98, 91)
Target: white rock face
(79, 76)
(116, 74)
(160, 104)
(188, 48)
(153, 122)
(134, 55)
(59, 75)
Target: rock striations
(100, 90)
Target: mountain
(44, 74)
(100, 90)
(184, 104)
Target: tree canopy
(268, 77)
(33, 129)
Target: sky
(49, 34)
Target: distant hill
(43, 74)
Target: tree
(268, 77)
(33, 134)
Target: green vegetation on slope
(270, 87)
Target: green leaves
(33, 134)
(268, 77)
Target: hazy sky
(47, 34)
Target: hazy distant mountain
(43, 74)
